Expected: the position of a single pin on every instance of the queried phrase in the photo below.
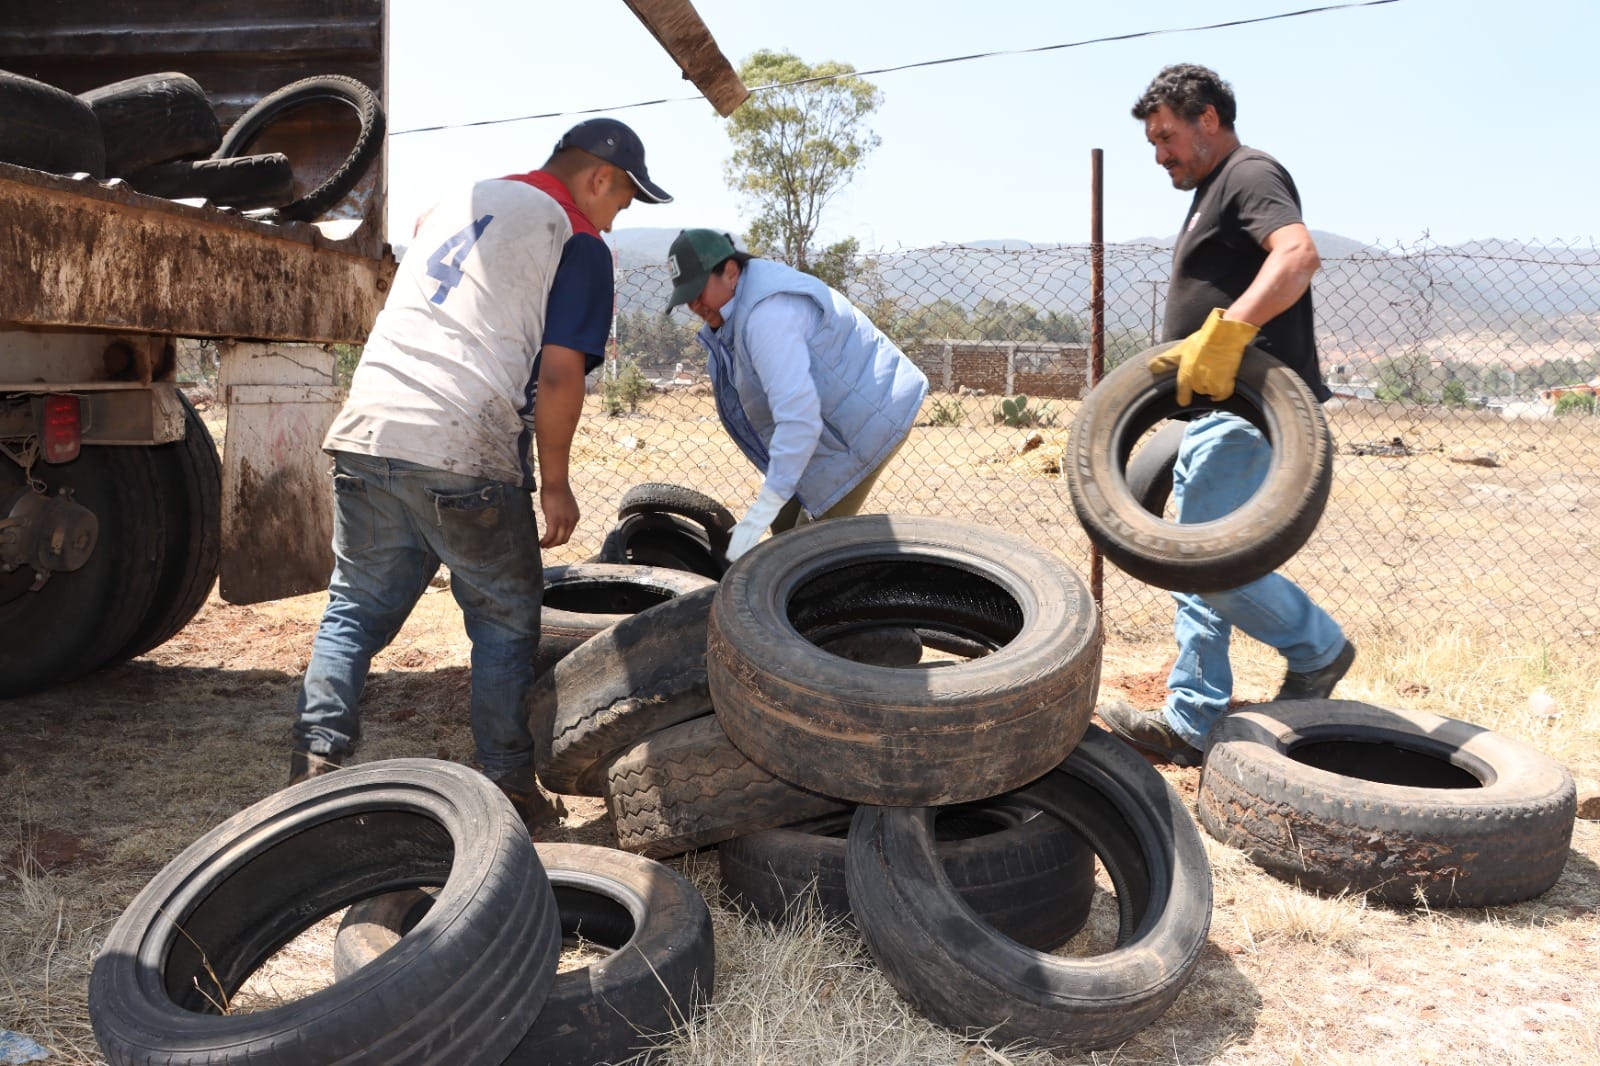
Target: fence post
(1097, 327)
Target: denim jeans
(1222, 461)
(393, 523)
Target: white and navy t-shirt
(447, 379)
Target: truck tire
(153, 118)
(1248, 544)
(325, 88)
(81, 618)
(48, 129)
(642, 675)
(872, 734)
(657, 974)
(1025, 874)
(464, 987)
(655, 538)
(244, 182)
(1342, 796)
(962, 973)
(688, 787)
(189, 479)
(585, 599)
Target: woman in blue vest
(808, 388)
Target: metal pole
(1097, 325)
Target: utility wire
(912, 66)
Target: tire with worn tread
(873, 734)
(643, 674)
(583, 600)
(464, 987)
(654, 538)
(1340, 796)
(664, 498)
(1248, 544)
(964, 974)
(659, 969)
(153, 118)
(323, 88)
(245, 182)
(688, 787)
(46, 128)
(1027, 875)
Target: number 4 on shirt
(448, 274)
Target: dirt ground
(103, 781)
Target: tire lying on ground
(966, 975)
(463, 987)
(1248, 544)
(688, 787)
(1027, 875)
(49, 129)
(1341, 796)
(875, 734)
(582, 600)
(645, 673)
(658, 969)
(153, 118)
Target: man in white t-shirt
(500, 306)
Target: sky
(1452, 120)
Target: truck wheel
(1248, 544)
(244, 182)
(189, 478)
(48, 129)
(583, 599)
(641, 675)
(152, 119)
(81, 618)
(653, 923)
(322, 89)
(1345, 796)
(464, 987)
(688, 787)
(903, 737)
(1024, 873)
(962, 973)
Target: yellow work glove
(1207, 359)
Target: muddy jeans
(394, 522)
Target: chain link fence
(1467, 483)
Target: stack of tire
(465, 972)
(952, 805)
(159, 133)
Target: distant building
(1005, 368)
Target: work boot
(1149, 732)
(540, 812)
(304, 765)
(1318, 684)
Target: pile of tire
(160, 134)
(951, 802)
(465, 972)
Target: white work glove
(754, 523)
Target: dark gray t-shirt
(1219, 252)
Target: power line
(912, 66)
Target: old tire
(243, 182)
(48, 129)
(688, 787)
(1340, 796)
(189, 479)
(1149, 472)
(80, 619)
(1025, 874)
(153, 118)
(656, 497)
(665, 540)
(659, 971)
(322, 89)
(962, 973)
(641, 675)
(1248, 544)
(464, 987)
(582, 600)
(873, 734)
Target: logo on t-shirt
(672, 266)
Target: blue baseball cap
(620, 146)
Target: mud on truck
(117, 513)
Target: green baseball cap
(694, 254)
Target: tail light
(63, 428)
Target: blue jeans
(1222, 461)
(393, 523)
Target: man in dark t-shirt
(1241, 273)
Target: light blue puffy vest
(870, 392)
